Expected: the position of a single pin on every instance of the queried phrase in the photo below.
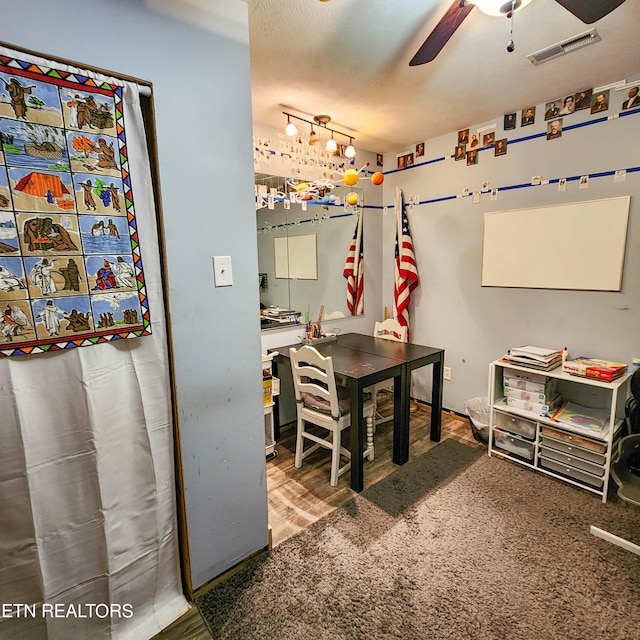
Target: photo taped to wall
(509, 121)
(528, 116)
(501, 147)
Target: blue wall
(476, 325)
(201, 88)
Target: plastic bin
(478, 410)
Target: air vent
(559, 49)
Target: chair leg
(299, 442)
(335, 458)
(370, 427)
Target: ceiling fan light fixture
(498, 7)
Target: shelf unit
(578, 456)
(270, 389)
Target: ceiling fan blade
(590, 11)
(451, 20)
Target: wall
(476, 325)
(201, 92)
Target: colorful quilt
(70, 262)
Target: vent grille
(561, 48)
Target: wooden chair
(389, 329)
(320, 401)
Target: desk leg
(401, 415)
(356, 436)
(436, 400)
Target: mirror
(302, 248)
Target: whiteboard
(569, 246)
(296, 258)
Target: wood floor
(299, 497)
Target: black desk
(363, 361)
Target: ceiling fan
(588, 11)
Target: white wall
(476, 325)
(201, 86)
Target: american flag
(354, 272)
(405, 270)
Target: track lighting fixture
(321, 121)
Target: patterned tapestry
(70, 263)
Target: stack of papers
(584, 418)
(535, 357)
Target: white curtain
(87, 493)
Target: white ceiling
(350, 59)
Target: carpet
(453, 544)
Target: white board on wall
(296, 257)
(580, 245)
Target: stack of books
(535, 357)
(592, 368)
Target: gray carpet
(453, 544)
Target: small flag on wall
(405, 269)
(354, 271)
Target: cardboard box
(548, 387)
(593, 368)
(530, 396)
(524, 375)
(267, 391)
(538, 408)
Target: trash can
(478, 410)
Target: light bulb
(291, 129)
(498, 7)
(332, 145)
(350, 152)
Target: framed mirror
(302, 250)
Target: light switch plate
(222, 273)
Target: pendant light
(350, 151)
(291, 129)
(332, 145)
(313, 137)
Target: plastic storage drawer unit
(580, 441)
(516, 424)
(573, 450)
(514, 444)
(572, 472)
(573, 461)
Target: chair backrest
(313, 373)
(390, 329)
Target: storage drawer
(571, 472)
(580, 441)
(515, 424)
(573, 461)
(513, 444)
(573, 450)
